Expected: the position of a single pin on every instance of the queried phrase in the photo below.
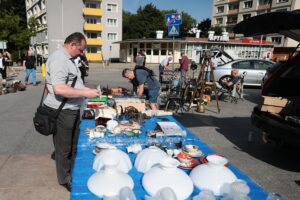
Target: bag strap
(41, 102)
(65, 99)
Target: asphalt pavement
(27, 171)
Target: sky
(198, 9)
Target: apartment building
(99, 20)
(227, 13)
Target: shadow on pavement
(236, 130)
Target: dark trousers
(3, 72)
(65, 143)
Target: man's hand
(91, 93)
(140, 90)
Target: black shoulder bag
(45, 121)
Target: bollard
(44, 70)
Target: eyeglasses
(81, 50)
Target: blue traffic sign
(173, 30)
(173, 19)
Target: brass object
(200, 107)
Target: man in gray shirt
(61, 71)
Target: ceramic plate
(195, 154)
(193, 164)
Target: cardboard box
(275, 101)
(272, 109)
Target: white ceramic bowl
(109, 181)
(168, 175)
(124, 163)
(212, 175)
(148, 158)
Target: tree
(13, 25)
(217, 29)
(204, 26)
(149, 19)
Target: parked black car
(283, 82)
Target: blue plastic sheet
(83, 167)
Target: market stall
(173, 143)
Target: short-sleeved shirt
(59, 67)
(140, 60)
(29, 62)
(143, 77)
(184, 64)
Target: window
(163, 52)
(264, 2)
(232, 19)
(243, 65)
(112, 36)
(263, 12)
(155, 52)
(276, 40)
(29, 13)
(220, 9)
(43, 5)
(93, 35)
(92, 20)
(282, 1)
(92, 5)
(282, 10)
(262, 65)
(248, 4)
(219, 21)
(93, 49)
(233, 6)
(44, 19)
(246, 16)
(112, 22)
(112, 7)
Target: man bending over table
(141, 78)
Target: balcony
(264, 7)
(94, 41)
(93, 27)
(231, 23)
(93, 11)
(94, 56)
(233, 12)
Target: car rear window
(287, 82)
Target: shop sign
(252, 41)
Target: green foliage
(218, 30)
(149, 19)
(13, 25)
(204, 26)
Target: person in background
(29, 67)
(164, 64)
(82, 63)
(141, 58)
(235, 79)
(61, 71)
(184, 67)
(141, 78)
(2, 69)
(8, 62)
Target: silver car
(255, 68)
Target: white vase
(213, 175)
(109, 181)
(168, 175)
